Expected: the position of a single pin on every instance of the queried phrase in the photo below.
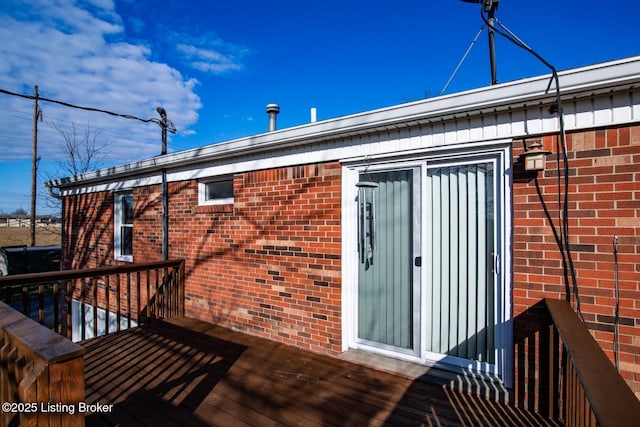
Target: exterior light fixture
(535, 157)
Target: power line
(66, 104)
(563, 236)
(16, 138)
(113, 132)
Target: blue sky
(214, 65)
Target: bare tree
(82, 150)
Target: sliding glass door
(461, 309)
(430, 239)
(388, 209)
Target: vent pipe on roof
(314, 114)
(272, 110)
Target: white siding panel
(393, 139)
(569, 115)
(533, 122)
(635, 102)
(490, 126)
(415, 138)
(451, 133)
(406, 136)
(602, 111)
(584, 113)
(549, 121)
(427, 137)
(437, 132)
(463, 133)
(518, 123)
(476, 129)
(621, 108)
(505, 128)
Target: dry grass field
(15, 236)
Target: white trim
(117, 224)
(349, 251)
(202, 191)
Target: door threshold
(467, 383)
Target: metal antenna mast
(490, 7)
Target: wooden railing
(583, 386)
(104, 300)
(41, 374)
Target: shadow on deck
(186, 372)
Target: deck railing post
(41, 304)
(118, 290)
(82, 305)
(94, 286)
(25, 301)
(550, 381)
(138, 298)
(128, 300)
(107, 301)
(156, 295)
(56, 307)
(182, 288)
(554, 372)
(69, 319)
(545, 362)
(38, 367)
(148, 303)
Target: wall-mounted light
(534, 158)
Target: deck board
(186, 372)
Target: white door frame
(501, 151)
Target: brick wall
(270, 263)
(604, 201)
(87, 239)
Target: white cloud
(210, 54)
(77, 54)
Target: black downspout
(165, 190)
(165, 217)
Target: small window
(216, 191)
(123, 224)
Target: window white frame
(119, 223)
(203, 185)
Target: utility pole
(34, 165)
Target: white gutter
(574, 83)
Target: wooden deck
(184, 372)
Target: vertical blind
(460, 297)
(385, 308)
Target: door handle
(418, 261)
